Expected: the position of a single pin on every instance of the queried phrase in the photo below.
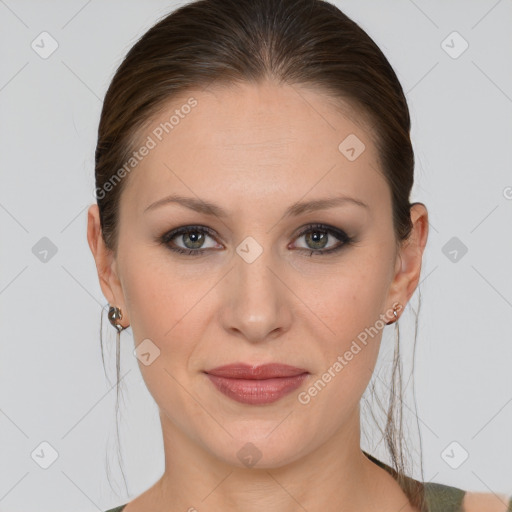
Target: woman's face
(256, 293)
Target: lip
(264, 371)
(256, 385)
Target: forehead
(261, 140)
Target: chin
(264, 451)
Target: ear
(409, 257)
(105, 263)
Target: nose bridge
(256, 294)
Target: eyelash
(338, 233)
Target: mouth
(256, 385)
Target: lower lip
(257, 391)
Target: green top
(439, 497)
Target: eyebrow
(299, 208)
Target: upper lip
(248, 371)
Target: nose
(256, 303)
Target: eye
(316, 237)
(192, 237)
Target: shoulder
(441, 497)
(488, 502)
(444, 498)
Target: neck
(335, 476)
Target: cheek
(352, 299)
(350, 307)
(163, 306)
(152, 290)
(148, 302)
(158, 313)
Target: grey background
(52, 385)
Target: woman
(253, 227)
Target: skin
(255, 150)
(483, 501)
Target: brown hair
(304, 42)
